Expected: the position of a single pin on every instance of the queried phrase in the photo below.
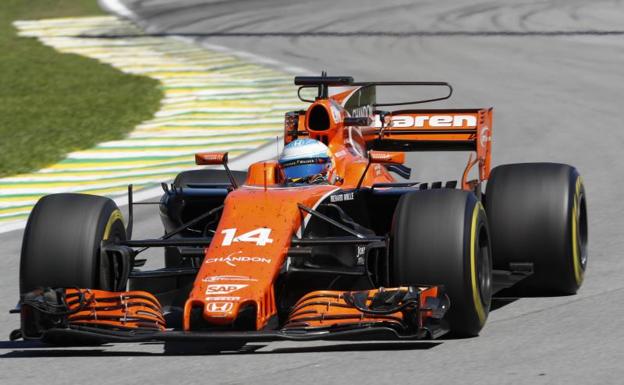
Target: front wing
(82, 316)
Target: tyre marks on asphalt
(213, 101)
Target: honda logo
(219, 307)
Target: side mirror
(216, 158)
(381, 157)
(211, 158)
(386, 157)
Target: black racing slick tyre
(538, 215)
(440, 237)
(188, 178)
(61, 244)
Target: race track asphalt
(555, 78)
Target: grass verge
(52, 103)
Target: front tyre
(441, 237)
(61, 244)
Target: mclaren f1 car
(257, 256)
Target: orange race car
(321, 243)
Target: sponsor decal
(233, 259)
(260, 236)
(340, 153)
(361, 251)
(225, 299)
(220, 289)
(485, 136)
(431, 121)
(341, 197)
(335, 110)
(218, 278)
(362, 112)
(219, 307)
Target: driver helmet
(305, 161)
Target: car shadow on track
(499, 302)
(23, 349)
(360, 347)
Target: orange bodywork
(210, 158)
(329, 309)
(115, 310)
(261, 217)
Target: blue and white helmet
(303, 158)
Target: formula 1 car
(251, 257)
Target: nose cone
(247, 252)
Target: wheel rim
(111, 269)
(581, 220)
(484, 266)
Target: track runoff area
(213, 101)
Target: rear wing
(435, 130)
(432, 130)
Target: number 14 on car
(259, 236)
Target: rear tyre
(441, 237)
(61, 244)
(538, 214)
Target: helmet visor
(303, 168)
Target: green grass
(52, 103)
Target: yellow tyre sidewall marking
(576, 258)
(115, 215)
(476, 296)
